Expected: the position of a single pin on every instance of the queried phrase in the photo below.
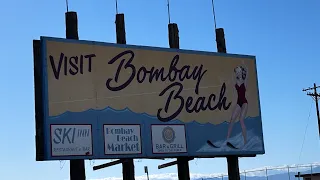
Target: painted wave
(197, 134)
(126, 110)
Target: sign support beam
(171, 164)
(108, 164)
(233, 161)
(77, 166)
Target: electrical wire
(168, 4)
(214, 15)
(305, 132)
(117, 6)
(67, 4)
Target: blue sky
(283, 35)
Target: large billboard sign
(104, 100)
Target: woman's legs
(243, 114)
(234, 116)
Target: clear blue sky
(283, 35)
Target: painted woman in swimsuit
(241, 108)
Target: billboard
(107, 101)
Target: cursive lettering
(142, 74)
(190, 105)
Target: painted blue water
(197, 134)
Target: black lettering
(198, 75)
(212, 97)
(184, 73)
(74, 132)
(156, 74)
(81, 64)
(56, 70)
(57, 133)
(188, 104)
(176, 97)
(66, 135)
(173, 68)
(65, 65)
(199, 105)
(90, 56)
(128, 65)
(74, 64)
(222, 99)
(142, 70)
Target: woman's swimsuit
(241, 94)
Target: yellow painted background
(84, 91)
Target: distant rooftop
(308, 175)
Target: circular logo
(168, 134)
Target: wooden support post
(127, 165)
(120, 29)
(38, 100)
(77, 166)
(233, 168)
(128, 169)
(72, 25)
(183, 168)
(182, 162)
(173, 35)
(233, 161)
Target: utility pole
(315, 96)
(77, 166)
(233, 161)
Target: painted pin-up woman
(241, 108)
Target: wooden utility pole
(77, 166)
(233, 161)
(182, 162)
(128, 164)
(315, 96)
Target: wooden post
(127, 165)
(120, 29)
(38, 97)
(233, 161)
(183, 168)
(182, 162)
(128, 170)
(77, 166)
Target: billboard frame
(43, 88)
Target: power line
(117, 6)
(214, 15)
(168, 4)
(305, 132)
(67, 4)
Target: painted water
(197, 134)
